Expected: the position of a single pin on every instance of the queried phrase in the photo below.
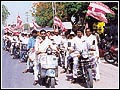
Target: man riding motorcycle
(78, 46)
(30, 48)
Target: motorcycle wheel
(25, 57)
(88, 78)
(110, 58)
(70, 68)
(52, 82)
(13, 57)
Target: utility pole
(27, 16)
(54, 11)
(27, 20)
(54, 8)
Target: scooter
(48, 67)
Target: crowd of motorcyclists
(30, 48)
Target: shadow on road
(43, 82)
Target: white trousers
(96, 70)
(67, 54)
(75, 63)
(36, 69)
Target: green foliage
(65, 10)
(26, 26)
(5, 14)
(43, 14)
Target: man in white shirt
(57, 38)
(4, 39)
(41, 45)
(79, 46)
(13, 42)
(25, 39)
(68, 44)
(93, 52)
(24, 42)
(8, 41)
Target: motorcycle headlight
(25, 55)
(49, 51)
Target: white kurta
(57, 39)
(89, 41)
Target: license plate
(51, 73)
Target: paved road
(12, 76)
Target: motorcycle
(62, 56)
(48, 67)
(12, 47)
(7, 45)
(102, 48)
(102, 45)
(16, 53)
(24, 52)
(111, 54)
(69, 65)
(84, 71)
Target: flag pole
(54, 12)
(85, 23)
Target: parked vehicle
(111, 54)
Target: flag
(63, 28)
(58, 22)
(19, 23)
(8, 29)
(98, 11)
(19, 20)
(35, 25)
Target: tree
(43, 13)
(114, 7)
(5, 14)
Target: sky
(18, 7)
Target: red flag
(19, 22)
(98, 11)
(58, 22)
(63, 28)
(35, 25)
(8, 29)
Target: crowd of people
(75, 45)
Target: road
(13, 78)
